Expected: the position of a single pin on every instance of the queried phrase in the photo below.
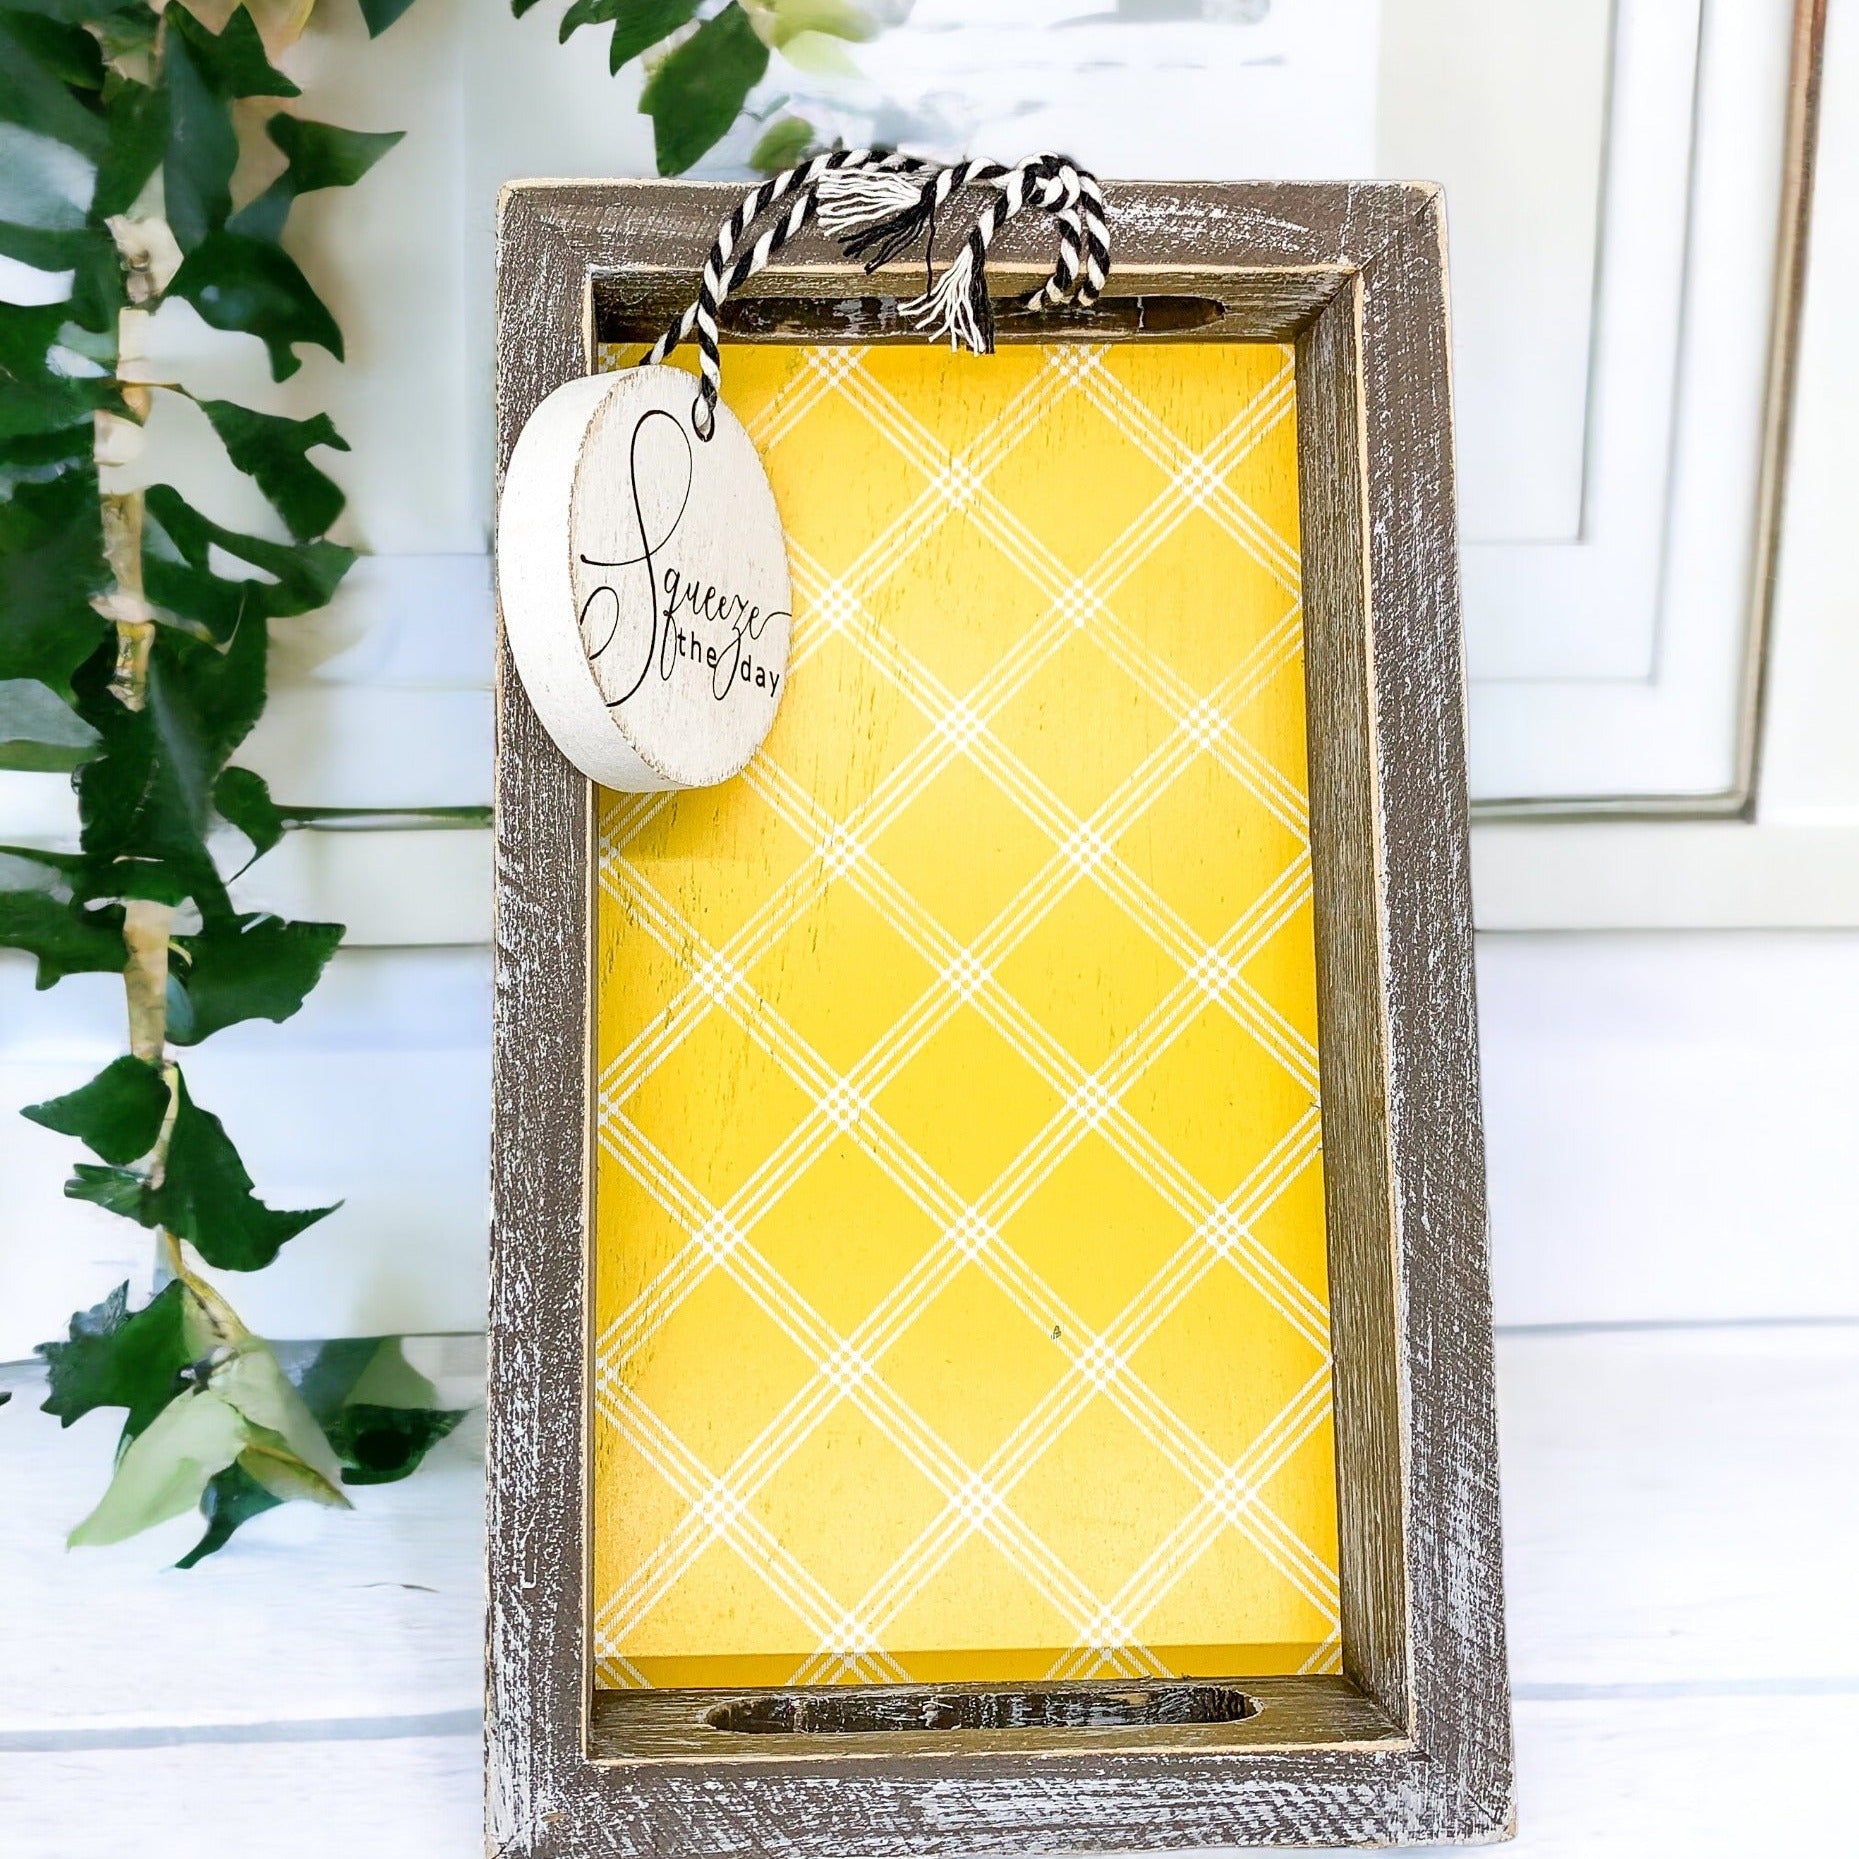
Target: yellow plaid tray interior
(960, 1281)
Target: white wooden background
(1671, 1101)
(1685, 1639)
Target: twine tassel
(878, 245)
(956, 305)
(853, 201)
(884, 239)
(875, 203)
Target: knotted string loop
(875, 204)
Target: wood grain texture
(576, 258)
(1434, 1125)
(1271, 253)
(537, 1344)
(1353, 1043)
(1708, 1777)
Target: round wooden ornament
(643, 581)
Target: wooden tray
(990, 1333)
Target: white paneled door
(1616, 184)
(1616, 180)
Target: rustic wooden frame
(1412, 1742)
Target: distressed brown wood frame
(1412, 1742)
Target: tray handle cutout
(849, 1710)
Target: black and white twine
(877, 204)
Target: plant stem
(146, 928)
(125, 603)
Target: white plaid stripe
(849, 1367)
(908, 1300)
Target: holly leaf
(593, 13)
(59, 44)
(145, 802)
(305, 574)
(121, 1191)
(45, 187)
(254, 286)
(245, 1414)
(317, 155)
(43, 454)
(64, 937)
(48, 869)
(138, 120)
(202, 74)
(380, 14)
(380, 1445)
(48, 383)
(638, 25)
(167, 1467)
(39, 732)
(123, 27)
(698, 91)
(117, 1116)
(244, 968)
(42, 62)
(180, 583)
(51, 563)
(289, 1454)
(206, 1198)
(212, 692)
(204, 1195)
(389, 1427)
(113, 1357)
(270, 449)
(233, 61)
(202, 143)
(783, 143)
(232, 1497)
(90, 254)
(377, 1409)
(641, 25)
(242, 800)
(44, 248)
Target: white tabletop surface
(1682, 1510)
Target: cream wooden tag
(643, 581)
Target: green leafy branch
(134, 641)
(701, 62)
